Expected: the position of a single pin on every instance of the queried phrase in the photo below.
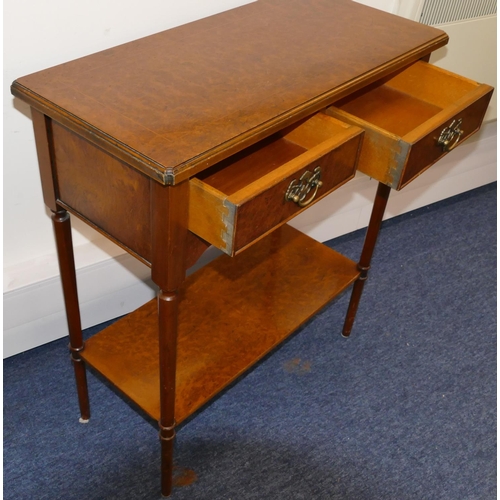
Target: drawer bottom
(233, 312)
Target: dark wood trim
(41, 128)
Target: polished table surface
(173, 103)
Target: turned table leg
(167, 321)
(169, 209)
(372, 232)
(62, 229)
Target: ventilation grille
(448, 11)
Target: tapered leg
(167, 321)
(169, 212)
(372, 232)
(62, 229)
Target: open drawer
(239, 200)
(412, 119)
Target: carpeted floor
(404, 409)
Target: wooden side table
(217, 133)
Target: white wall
(42, 34)
(387, 5)
(472, 52)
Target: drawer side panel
(210, 216)
(382, 155)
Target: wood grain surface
(174, 103)
(232, 312)
(103, 190)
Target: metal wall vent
(449, 11)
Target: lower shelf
(232, 312)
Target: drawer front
(412, 120)
(232, 218)
(270, 208)
(445, 137)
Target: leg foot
(167, 435)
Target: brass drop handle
(450, 136)
(298, 190)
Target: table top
(176, 102)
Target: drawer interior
(403, 102)
(252, 164)
(242, 198)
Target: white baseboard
(34, 313)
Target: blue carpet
(404, 409)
